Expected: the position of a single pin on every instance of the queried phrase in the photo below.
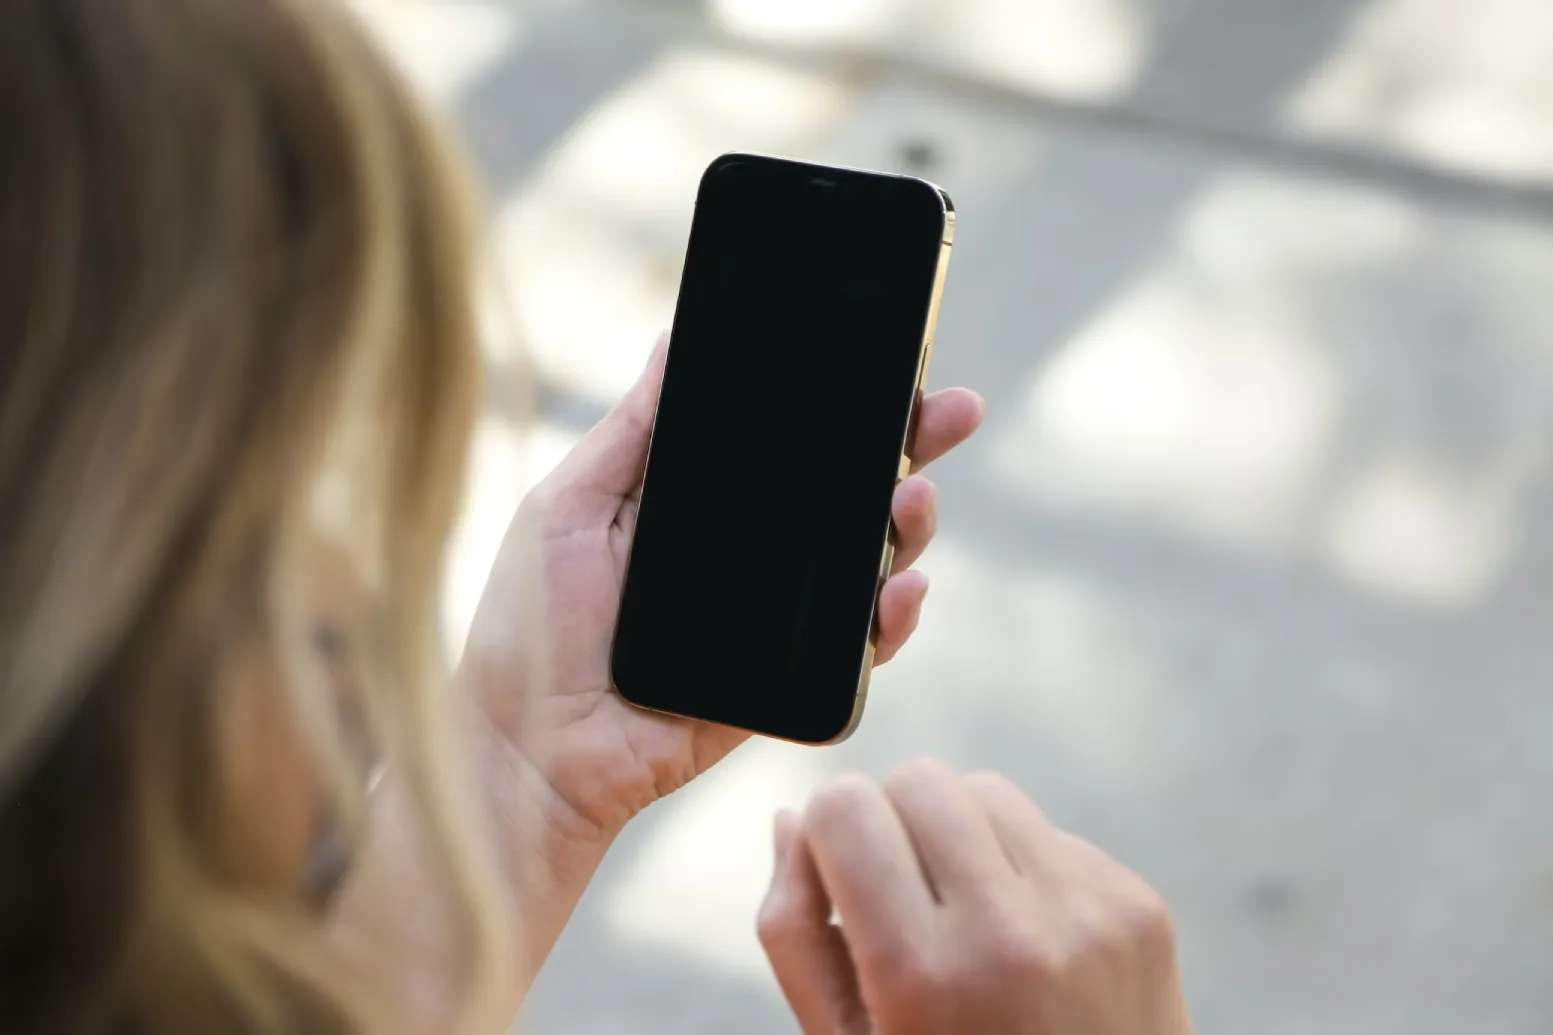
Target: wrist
(531, 816)
(547, 853)
(583, 775)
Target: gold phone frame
(903, 467)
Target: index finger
(945, 420)
(868, 865)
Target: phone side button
(884, 577)
(904, 471)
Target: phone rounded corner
(943, 196)
(847, 731)
(935, 196)
(854, 718)
(721, 164)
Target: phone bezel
(818, 172)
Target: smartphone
(796, 363)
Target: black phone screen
(790, 382)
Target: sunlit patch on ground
(1235, 395)
(1467, 86)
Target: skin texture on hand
(566, 753)
(962, 910)
(549, 611)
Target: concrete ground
(1246, 579)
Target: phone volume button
(904, 471)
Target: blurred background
(1247, 577)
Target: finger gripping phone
(795, 369)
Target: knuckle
(1041, 946)
(1013, 948)
(1005, 796)
(1129, 922)
(1103, 934)
(919, 982)
(908, 966)
(997, 787)
(1147, 918)
(917, 773)
(839, 801)
(775, 923)
(988, 780)
(1097, 924)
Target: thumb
(608, 463)
(807, 952)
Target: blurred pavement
(1249, 577)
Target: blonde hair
(235, 268)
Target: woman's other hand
(962, 909)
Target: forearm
(547, 853)
(390, 915)
(391, 918)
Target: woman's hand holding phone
(569, 760)
(962, 910)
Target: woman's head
(237, 373)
